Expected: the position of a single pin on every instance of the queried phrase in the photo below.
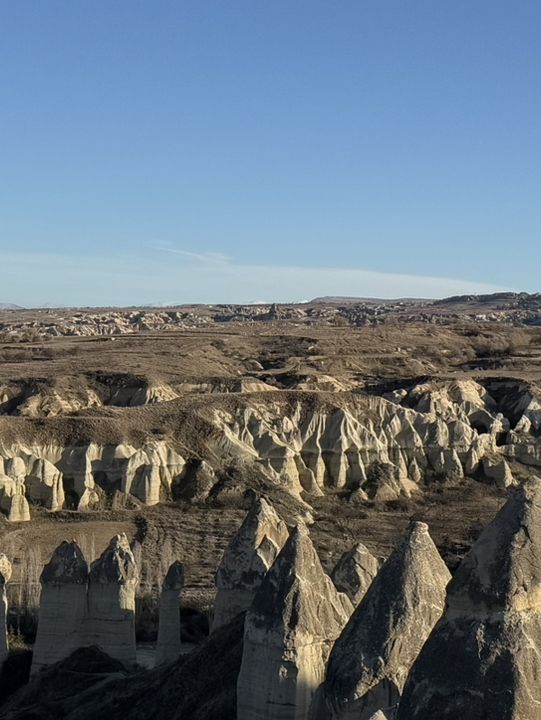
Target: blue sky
(213, 151)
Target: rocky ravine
(371, 446)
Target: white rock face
(62, 610)
(354, 572)
(169, 643)
(246, 560)
(5, 574)
(296, 615)
(111, 601)
(483, 658)
(370, 661)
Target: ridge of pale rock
(296, 615)
(169, 642)
(370, 661)
(5, 575)
(111, 601)
(354, 572)
(62, 610)
(247, 558)
(483, 658)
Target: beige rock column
(295, 618)
(5, 574)
(483, 659)
(168, 646)
(370, 661)
(62, 608)
(111, 601)
(354, 572)
(249, 555)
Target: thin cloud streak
(34, 279)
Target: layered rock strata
(369, 662)
(5, 575)
(246, 560)
(111, 601)
(295, 618)
(354, 572)
(62, 610)
(483, 659)
(169, 641)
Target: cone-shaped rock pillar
(296, 616)
(5, 574)
(168, 647)
(370, 660)
(62, 609)
(111, 601)
(249, 555)
(354, 572)
(483, 659)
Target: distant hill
(376, 301)
(10, 306)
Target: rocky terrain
(336, 424)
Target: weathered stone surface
(370, 660)
(5, 574)
(168, 646)
(249, 555)
(296, 615)
(354, 572)
(111, 601)
(483, 659)
(62, 611)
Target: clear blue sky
(244, 150)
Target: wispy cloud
(32, 279)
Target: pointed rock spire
(483, 659)
(111, 601)
(296, 615)
(354, 572)
(168, 647)
(62, 610)
(370, 660)
(5, 575)
(249, 555)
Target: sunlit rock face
(370, 661)
(296, 615)
(483, 659)
(111, 601)
(354, 572)
(5, 575)
(62, 611)
(168, 646)
(246, 560)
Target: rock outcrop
(483, 659)
(296, 616)
(168, 646)
(62, 610)
(247, 558)
(111, 601)
(5, 574)
(354, 572)
(369, 662)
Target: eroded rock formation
(5, 575)
(248, 556)
(370, 660)
(168, 646)
(296, 616)
(354, 572)
(62, 610)
(111, 601)
(483, 659)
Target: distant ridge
(10, 306)
(378, 301)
